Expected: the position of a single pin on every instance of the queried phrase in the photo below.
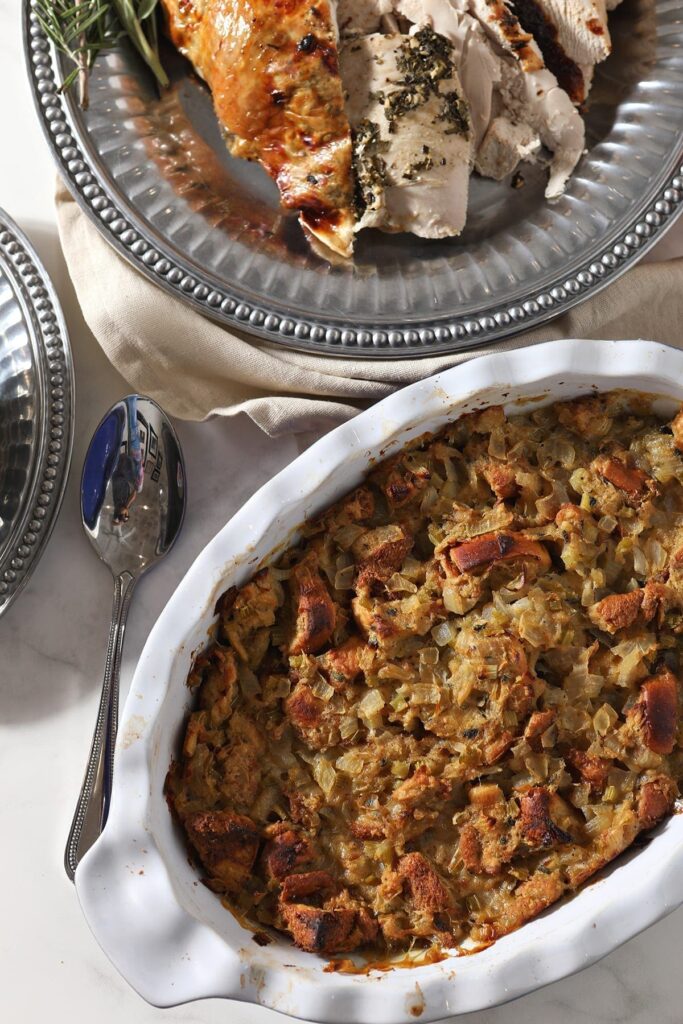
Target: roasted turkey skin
(272, 67)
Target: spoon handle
(93, 802)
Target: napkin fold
(195, 368)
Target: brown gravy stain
(415, 1004)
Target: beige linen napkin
(194, 368)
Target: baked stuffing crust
(457, 697)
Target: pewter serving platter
(154, 175)
(36, 409)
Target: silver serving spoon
(133, 499)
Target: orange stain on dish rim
(415, 1002)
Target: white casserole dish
(166, 933)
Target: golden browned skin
(273, 71)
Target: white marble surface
(51, 653)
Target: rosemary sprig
(138, 19)
(82, 29)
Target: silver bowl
(36, 409)
(153, 174)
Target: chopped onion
(394, 671)
(345, 537)
(429, 656)
(265, 802)
(424, 693)
(350, 763)
(348, 726)
(451, 469)
(324, 774)
(280, 574)
(281, 754)
(455, 601)
(501, 601)
(444, 451)
(411, 567)
(517, 583)
(384, 851)
(344, 578)
(604, 718)
(398, 702)
(607, 524)
(400, 583)
(580, 795)
(639, 561)
(371, 704)
(601, 820)
(549, 737)
(657, 556)
(497, 446)
(322, 689)
(343, 560)
(572, 719)
(443, 633)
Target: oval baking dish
(168, 935)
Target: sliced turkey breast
(573, 37)
(412, 140)
(361, 17)
(477, 64)
(530, 93)
(504, 146)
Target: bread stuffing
(457, 696)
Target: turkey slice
(412, 140)
(573, 37)
(530, 93)
(477, 64)
(361, 17)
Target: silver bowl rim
(55, 427)
(146, 251)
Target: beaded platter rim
(145, 248)
(55, 428)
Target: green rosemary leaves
(81, 29)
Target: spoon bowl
(133, 486)
(133, 498)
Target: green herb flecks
(82, 29)
(370, 169)
(426, 59)
(455, 112)
(418, 167)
